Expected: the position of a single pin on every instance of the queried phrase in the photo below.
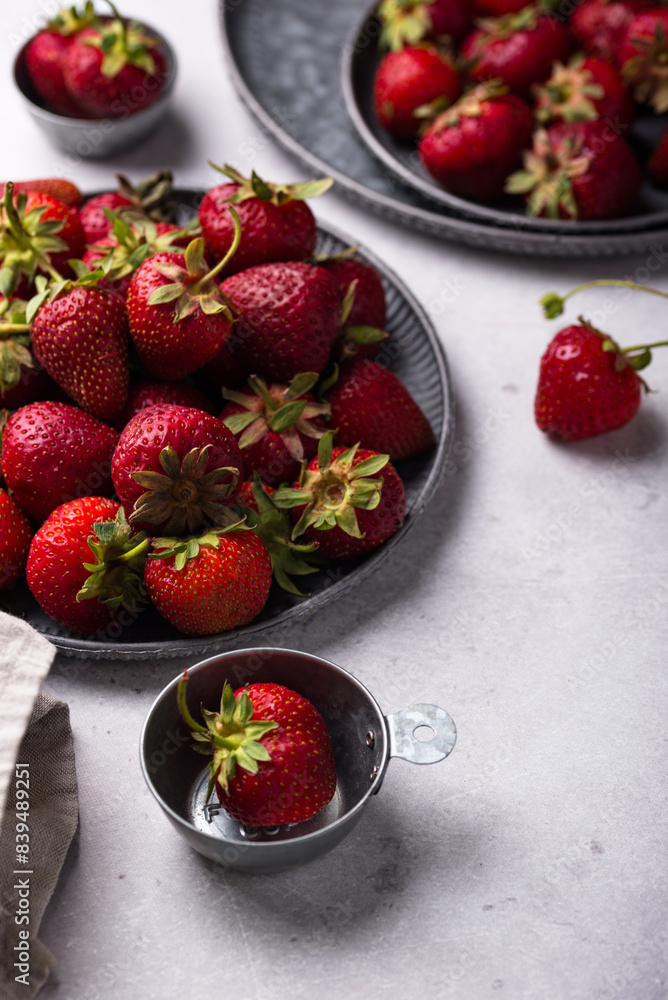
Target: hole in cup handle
(405, 744)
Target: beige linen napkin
(38, 796)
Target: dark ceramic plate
(359, 63)
(414, 353)
(285, 58)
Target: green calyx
(333, 490)
(182, 550)
(193, 287)
(647, 72)
(136, 239)
(404, 23)
(26, 240)
(546, 179)
(152, 196)
(14, 342)
(273, 526)
(48, 290)
(69, 20)
(277, 194)
(470, 105)
(231, 734)
(185, 496)
(278, 408)
(508, 24)
(568, 95)
(116, 570)
(123, 44)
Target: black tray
(285, 58)
(417, 358)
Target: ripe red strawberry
(586, 385)
(471, 148)
(210, 584)
(276, 222)
(57, 187)
(370, 405)
(178, 317)
(407, 22)
(288, 317)
(643, 57)
(81, 338)
(408, 80)
(600, 25)
(95, 222)
(368, 307)
(44, 57)
(586, 89)
(149, 198)
(84, 564)
(277, 426)
(53, 452)
(518, 49)
(283, 768)
(340, 502)
(144, 393)
(114, 69)
(579, 170)
(15, 535)
(176, 468)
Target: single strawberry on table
(15, 536)
(212, 582)
(85, 564)
(276, 222)
(273, 761)
(177, 469)
(53, 452)
(409, 79)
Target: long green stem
(231, 252)
(8, 328)
(644, 347)
(183, 708)
(619, 282)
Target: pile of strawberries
(83, 65)
(535, 100)
(189, 413)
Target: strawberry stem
(644, 347)
(6, 329)
(228, 256)
(183, 707)
(553, 304)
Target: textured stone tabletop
(530, 602)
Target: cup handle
(403, 742)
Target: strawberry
(178, 317)
(643, 58)
(600, 25)
(409, 80)
(57, 187)
(22, 380)
(586, 385)
(277, 426)
(339, 504)
(276, 222)
(114, 69)
(518, 49)
(372, 406)
(209, 584)
(53, 452)
(85, 564)
(175, 468)
(273, 761)
(144, 393)
(472, 147)
(287, 318)
(407, 22)
(15, 535)
(579, 170)
(368, 307)
(80, 336)
(149, 198)
(44, 57)
(586, 89)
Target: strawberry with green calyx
(274, 527)
(409, 22)
(587, 385)
(79, 334)
(273, 761)
(151, 197)
(59, 566)
(643, 58)
(114, 68)
(56, 187)
(409, 80)
(578, 170)
(360, 284)
(44, 56)
(339, 502)
(583, 90)
(53, 452)
(179, 317)
(276, 222)
(212, 583)
(277, 426)
(176, 468)
(15, 536)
